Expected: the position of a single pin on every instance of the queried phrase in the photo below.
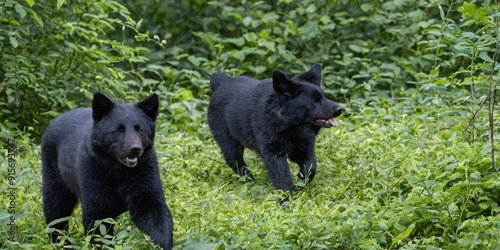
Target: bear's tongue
(333, 122)
(132, 159)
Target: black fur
(274, 117)
(105, 157)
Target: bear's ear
(312, 76)
(282, 84)
(150, 106)
(101, 106)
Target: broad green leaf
(484, 55)
(30, 2)
(404, 234)
(240, 41)
(36, 17)
(20, 10)
(247, 21)
(60, 3)
(357, 48)
(27, 245)
(13, 41)
(383, 226)
(475, 175)
(264, 34)
(268, 17)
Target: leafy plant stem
(491, 96)
(442, 28)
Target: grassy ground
(386, 181)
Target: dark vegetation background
(423, 74)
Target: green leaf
(60, 3)
(212, 232)
(325, 20)
(441, 12)
(383, 226)
(27, 245)
(247, 21)
(357, 48)
(434, 73)
(311, 8)
(138, 24)
(404, 234)
(467, 9)
(240, 55)
(264, 34)
(366, 7)
(13, 41)
(194, 60)
(475, 175)
(240, 41)
(484, 55)
(102, 229)
(269, 17)
(196, 245)
(20, 10)
(30, 2)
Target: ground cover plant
(413, 163)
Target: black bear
(278, 118)
(105, 157)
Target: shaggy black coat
(105, 157)
(278, 118)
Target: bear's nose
(338, 111)
(135, 148)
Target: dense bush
(411, 166)
(56, 55)
(374, 53)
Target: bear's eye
(316, 101)
(139, 129)
(119, 130)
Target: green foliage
(409, 167)
(55, 55)
(366, 47)
(385, 181)
(460, 54)
(425, 53)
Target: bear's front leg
(306, 159)
(99, 202)
(155, 220)
(278, 171)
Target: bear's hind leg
(233, 154)
(58, 201)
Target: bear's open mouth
(325, 122)
(129, 161)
